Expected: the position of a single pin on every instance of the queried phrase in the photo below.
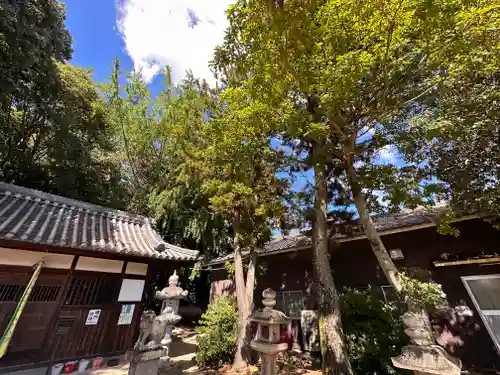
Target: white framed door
(484, 290)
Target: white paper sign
(131, 290)
(126, 315)
(93, 317)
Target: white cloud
(366, 132)
(179, 33)
(388, 154)
(358, 164)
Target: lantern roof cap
(268, 315)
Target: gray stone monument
(151, 351)
(267, 339)
(310, 333)
(423, 356)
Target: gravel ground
(182, 352)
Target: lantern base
(268, 353)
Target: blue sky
(146, 35)
(95, 38)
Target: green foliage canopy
(374, 331)
(350, 72)
(157, 139)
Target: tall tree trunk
(335, 356)
(240, 357)
(381, 253)
(250, 287)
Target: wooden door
(72, 338)
(27, 343)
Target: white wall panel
(99, 265)
(131, 290)
(136, 268)
(13, 257)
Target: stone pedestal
(267, 340)
(269, 354)
(423, 356)
(145, 363)
(167, 367)
(430, 359)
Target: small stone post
(267, 339)
(169, 317)
(423, 356)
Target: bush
(421, 291)
(374, 331)
(217, 333)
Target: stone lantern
(170, 295)
(423, 356)
(267, 338)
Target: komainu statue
(151, 331)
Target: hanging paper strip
(9, 331)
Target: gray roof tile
(383, 223)
(40, 218)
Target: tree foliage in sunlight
(53, 135)
(239, 168)
(156, 138)
(65, 146)
(349, 73)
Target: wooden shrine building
(72, 278)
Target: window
(389, 293)
(42, 293)
(92, 291)
(11, 293)
(290, 303)
(39, 293)
(485, 293)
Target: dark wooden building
(467, 267)
(88, 296)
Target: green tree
(238, 165)
(204, 161)
(155, 138)
(350, 73)
(32, 40)
(461, 141)
(52, 132)
(64, 146)
(217, 333)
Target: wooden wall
(52, 326)
(354, 265)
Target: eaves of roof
(35, 217)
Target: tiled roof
(286, 243)
(40, 218)
(387, 222)
(340, 232)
